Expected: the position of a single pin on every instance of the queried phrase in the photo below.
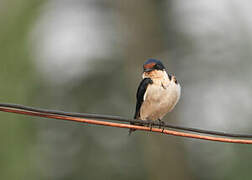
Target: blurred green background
(87, 56)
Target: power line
(20, 109)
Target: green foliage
(16, 77)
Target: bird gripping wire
(105, 120)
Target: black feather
(140, 95)
(140, 98)
(170, 77)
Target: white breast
(159, 99)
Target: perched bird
(157, 94)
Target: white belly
(159, 100)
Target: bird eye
(159, 67)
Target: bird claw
(150, 124)
(161, 124)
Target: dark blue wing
(140, 95)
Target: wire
(122, 125)
(20, 109)
(122, 119)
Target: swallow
(157, 94)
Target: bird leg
(150, 124)
(161, 124)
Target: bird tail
(131, 130)
(136, 116)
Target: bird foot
(161, 124)
(150, 124)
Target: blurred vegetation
(17, 133)
(46, 63)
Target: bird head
(153, 64)
(154, 69)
